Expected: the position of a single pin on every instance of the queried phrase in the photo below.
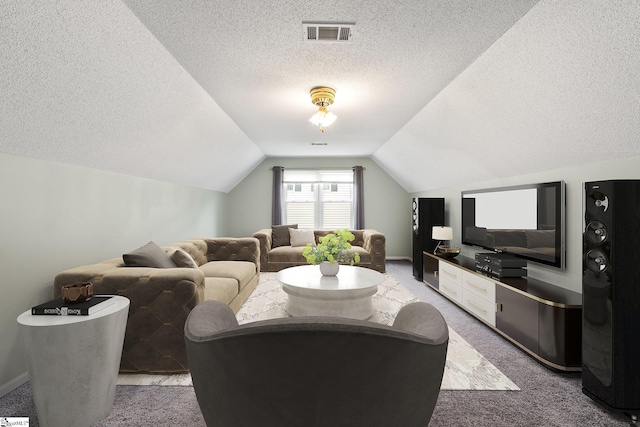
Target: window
(318, 198)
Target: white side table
(73, 363)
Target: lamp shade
(323, 118)
(442, 233)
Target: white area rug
(466, 369)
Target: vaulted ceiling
(437, 92)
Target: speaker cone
(597, 261)
(597, 203)
(596, 232)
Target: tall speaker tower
(426, 213)
(611, 295)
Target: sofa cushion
(280, 235)
(287, 254)
(292, 254)
(196, 248)
(357, 234)
(241, 271)
(181, 258)
(149, 255)
(301, 237)
(220, 289)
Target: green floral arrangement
(334, 247)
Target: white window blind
(319, 198)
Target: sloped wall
(559, 89)
(85, 83)
(54, 217)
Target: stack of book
(58, 307)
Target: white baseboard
(8, 387)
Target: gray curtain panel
(358, 197)
(276, 209)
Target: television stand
(542, 319)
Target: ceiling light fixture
(322, 97)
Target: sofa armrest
(265, 239)
(142, 285)
(374, 243)
(234, 249)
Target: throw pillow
(181, 258)
(149, 255)
(280, 235)
(301, 237)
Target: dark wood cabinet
(560, 337)
(517, 316)
(542, 319)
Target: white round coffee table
(348, 294)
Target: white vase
(329, 269)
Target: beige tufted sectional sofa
(228, 270)
(369, 243)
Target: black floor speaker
(426, 213)
(611, 295)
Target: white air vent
(328, 31)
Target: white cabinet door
(450, 272)
(450, 282)
(480, 286)
(479, 296)
(482, 308)
(451, 289)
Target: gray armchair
(316, 371)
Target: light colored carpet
(466, 369)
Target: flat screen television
(526, 221)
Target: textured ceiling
(438, 92)
(85, 83)
(251, 58)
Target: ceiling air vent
(328, 31)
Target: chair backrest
(316, 371)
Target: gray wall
(574, 177)
(387, 204)
(54, 217)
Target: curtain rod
(320, 169)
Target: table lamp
(441, 233)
